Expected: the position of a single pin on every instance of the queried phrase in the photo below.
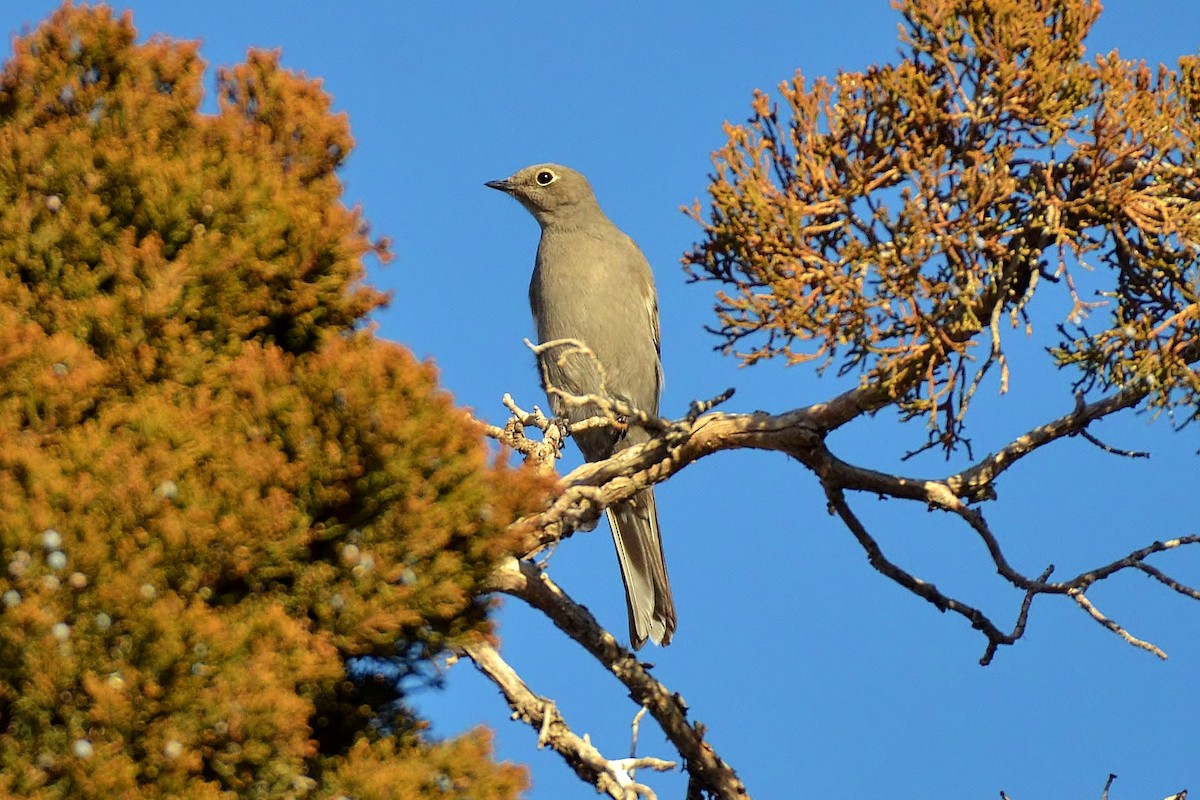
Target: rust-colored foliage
(895, 221)
(216, 486)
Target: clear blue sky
(816, 676)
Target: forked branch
(525, 581)
(609, 776)
(801, 433)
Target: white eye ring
(545, 177)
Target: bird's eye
(545, 177)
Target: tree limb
(524, 580)
(801, 433)
(611, 777)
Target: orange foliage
(897, 221)
(216, 485)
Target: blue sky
(815, 675)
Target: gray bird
(592, 283)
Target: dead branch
(1078, 596)
(801, 433)
(976, 483)
(704, 766)
(928, 591)
(611, 777)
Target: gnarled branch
(609, 776)
(801, 433)
(525, 581)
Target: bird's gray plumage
(591, 283)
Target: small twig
(637, 721)
(1116, 451)
(592, 423)
(521, 413)
(630, 765)
(1134, 559)
(542, 558)
(1167, 580)
(700, 407)
(1079, 597)
(568, 348)
(616, 412)
(1107, 785)
(541, 452)
(1022, 619)
(544, 731)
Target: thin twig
(1116, 451)
(637, 721)
(1079, 597)
(1167, 580)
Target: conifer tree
(217, 487)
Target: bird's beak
(503, 186)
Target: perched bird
(591, 283)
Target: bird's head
(548, 191)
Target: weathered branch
(704, 766)
(975, 483)
(611, 777)
(801, 433)
(1079, 597)
(942, 602)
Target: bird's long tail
(640, 554)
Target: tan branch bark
(611, 777)
(704, 766)
(801, 433)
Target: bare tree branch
(1166, 580)
(611, 777)
(1108, 448)
(801, 433)
(928, 591)
(975, 483)
(1078, 596)
(523, 580)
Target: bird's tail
(640, 553)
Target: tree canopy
(219, 487)
(899, 221)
